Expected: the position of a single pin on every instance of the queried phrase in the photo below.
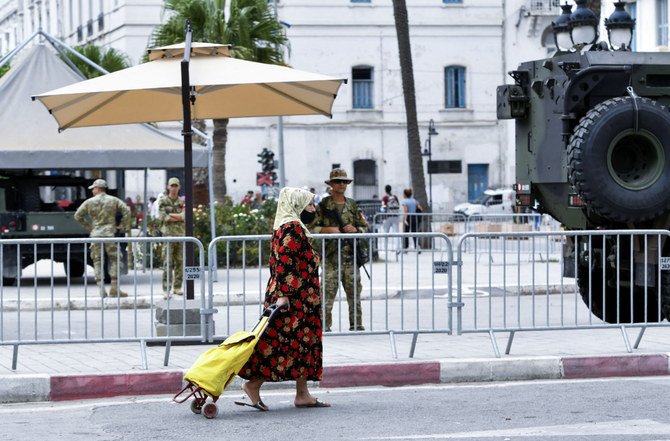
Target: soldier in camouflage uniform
(342, 269)
(99, 216)
(171, 215)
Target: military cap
(100, 183)
(338, 174)
(174, 181)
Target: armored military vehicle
(593, 151)
(34, 206)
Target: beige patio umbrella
(191, 80)
(223, 87)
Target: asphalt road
(607, 409)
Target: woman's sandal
(260, 405)
(316, 403)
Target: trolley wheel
(196, 407)
(210, 410)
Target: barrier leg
(143, 354)
(394, 351)
(625, 339)
(15, 357)
(639, 337)
(415, 336)
(509, 342)
(166, 359)
(496, 351)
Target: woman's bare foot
(304, 399)
(252, 391)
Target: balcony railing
(543, 7)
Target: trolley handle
(274, 308)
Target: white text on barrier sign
(665, 263)
(192, 272)
(440, 267)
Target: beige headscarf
(291, 203)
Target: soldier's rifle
(362, 255)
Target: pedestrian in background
(410, 207)
(104, 215)
(340, 267)
(258, 201)
(391, 209)
(171, 215)
(290, 349)
(248, 199)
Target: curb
(44, 387)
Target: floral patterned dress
(291, 345)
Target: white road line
(629, 427)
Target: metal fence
(622, 282)
(399, 293)
(48, 293)
(526, 282)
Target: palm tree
(251, 29)
(407, 73)
(109, 59)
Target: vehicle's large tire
(605, 307)
(622, 174)
(77, 267)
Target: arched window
(362, 85)
(454, 86)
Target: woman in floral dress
(290, 348)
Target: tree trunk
(220, 138)
(596, 7)
(407, 72)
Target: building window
(454, 81)
(365, 180)
(362, 87)
(662, 22)
(451, 2)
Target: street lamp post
(428, 151)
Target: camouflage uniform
(173, 261)
(341, 269)
(98, 215)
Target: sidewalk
(75, 371)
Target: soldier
(341, 268)
(99, 215)
(171, 215)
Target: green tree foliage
(109, 59)
(4, 69)
(251, 29)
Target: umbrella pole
(187, 133)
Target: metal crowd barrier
(514, 223)
(43, 301)
(622, 277)
(453, 225)
(402, 293)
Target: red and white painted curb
(42, 387)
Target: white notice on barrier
(665, 263)
(440, 267)
(192, 272)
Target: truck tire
(77, 268)
(605, 306)
(622, 174)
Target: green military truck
(593, 151)
(34, 206)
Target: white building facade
(461, 49)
